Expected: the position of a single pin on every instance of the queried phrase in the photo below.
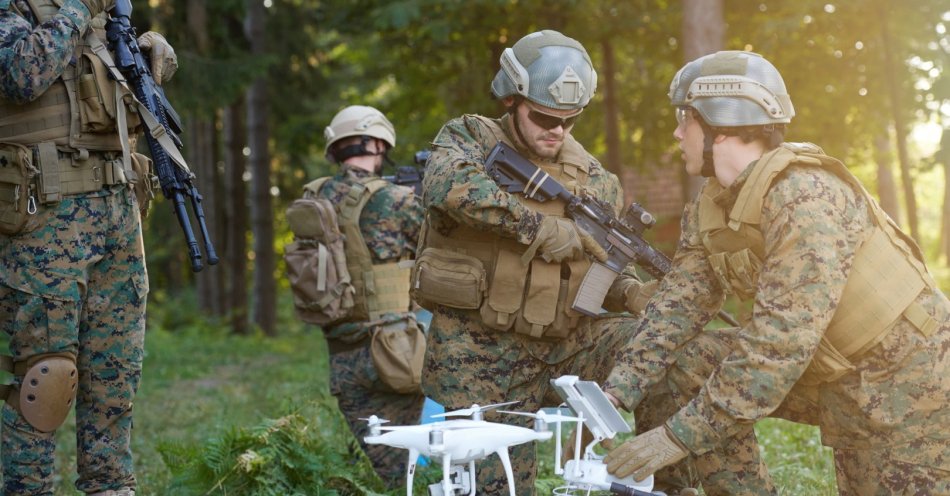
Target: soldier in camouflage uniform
(848, 329)
(73, 282)
(358, 139)
(499, 272)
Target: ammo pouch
(398, 351)
(532, 299)
(145, 182)
(737, 272)
(99, 99)
(444, 277)
(17, 188)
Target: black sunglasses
(548, 121)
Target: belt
(64, 174)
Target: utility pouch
(17, 191)
(541, 297)
(826, 366)
(146, 183)
(737, 271)
(97, 105)
(398, 352)
(443, 277)
(506, 292)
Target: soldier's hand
(162, 56)
(559, 239)
(638, 295)
(645, 454)
(96, 7)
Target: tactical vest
(83, 114)
(379, 288)
(534, 299)
(887, 275)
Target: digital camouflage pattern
(390, 224)
(886, 420)
(77, 284)
(467, 362)
(33, 58)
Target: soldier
(848, 329)
(499, 272)
(73, 283)
(387, 217)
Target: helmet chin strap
(360, 150)
(513, 113)
(708, 169)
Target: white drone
(457, 444)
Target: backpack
(327, 251)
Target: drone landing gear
(460, 481)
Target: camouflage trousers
(77, 284)
(466, 363)
(361, 393)
(734, 466)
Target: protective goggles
(548, 121)
(683, 115)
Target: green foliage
(299, 453)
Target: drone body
(455, 444)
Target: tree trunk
(202, 160)
(900, 129)
(264, 312)
(614, 160)
(886, 189)
(234, 261)
(704, 29)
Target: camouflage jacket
(457, 191)
(390, 224)
(812, 223)
(32, 56)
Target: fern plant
(305, 452)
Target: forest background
(260, 79)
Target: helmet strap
(358, 150)
(708, 169)
(513, 113)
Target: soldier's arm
(686, 300)
(33, 56)
(811, 235)
(456, 185)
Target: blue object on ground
(429, 408)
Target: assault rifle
(411, 175)
(164, 126)
(621, 238)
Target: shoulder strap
(44, 10)
(311, 189)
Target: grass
(204, 390)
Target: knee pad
(48, 390)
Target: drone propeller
(475, 410)
(547, 417)
(374, 420)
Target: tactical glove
(559, 239)
(162, 55)
(645, 454)
(638, 295)
(96, 7)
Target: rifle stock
(621, 238)
(177, 181)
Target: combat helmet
(733, 89)
(549, 69)
(357, 120)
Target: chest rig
(79, 127)
(887, 275)
(535, 298)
